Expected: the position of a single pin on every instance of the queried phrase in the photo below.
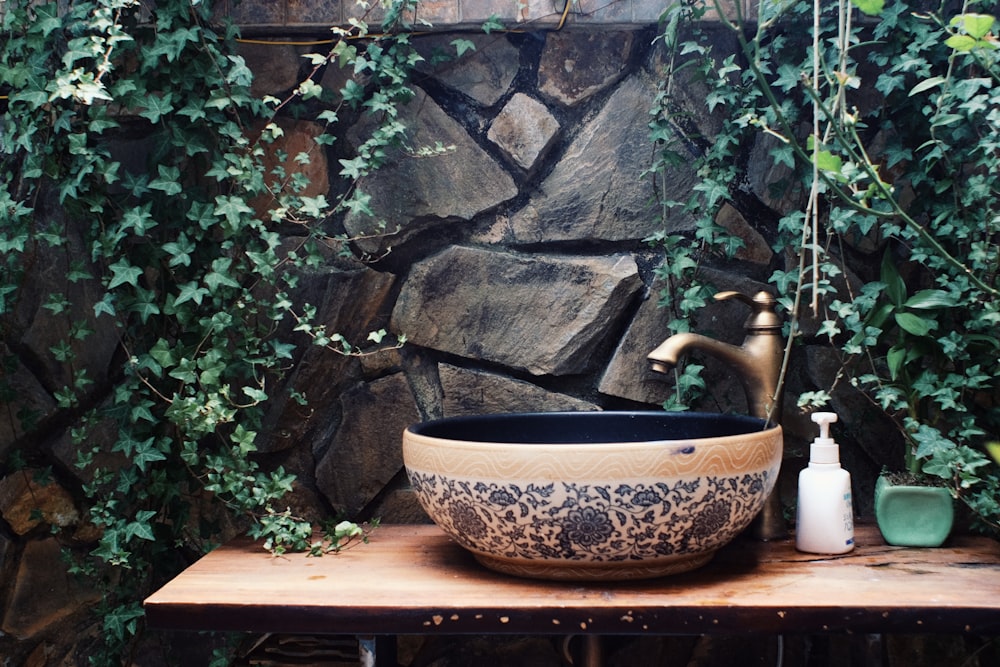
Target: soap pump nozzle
(823, 448)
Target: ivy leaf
(202, 214)
(353, 169)
(180, 250)
(212, 368)
(282, 350)
(185, 372)
(46, 19)
(315, 59)
(32, 98)
(231, 208)
(255, 395)
(359, 203)
(123, 273)
(239, 73)
(462, 46)
(190, 291)
(106, 305)
(137, 184)
(169, 180)
(194, 110)
(789, 77)
(930, 441)
(219, 276)
(244, 439)
(352, 92)
(329, 116)
(141, 527)
(121, 621)
(157, 106)
(145, 304)
(171, 43)
(163, 354)
(99, 125)
(218, 100)
(309, 89)
(493, 22)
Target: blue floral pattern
(584, 522)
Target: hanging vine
(133, 153)
(887, 128)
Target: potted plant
(911, 514)
(884, 131)
(912, 508)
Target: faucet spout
(757, 362)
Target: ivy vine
(189, 245)
(885, 130)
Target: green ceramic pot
(913, 516)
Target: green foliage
(888, 128)
(185, 255)
(683, 290)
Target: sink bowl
(593, 495)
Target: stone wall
(517, 269)
(283, 16)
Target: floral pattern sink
(593, 495)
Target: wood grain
(414, 580)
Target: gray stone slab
(541, 314)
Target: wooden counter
(414, 580)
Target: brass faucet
(758, 363)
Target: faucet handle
(764, 318)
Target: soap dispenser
(824, 522)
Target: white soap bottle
(824, 522)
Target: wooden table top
(413, 580)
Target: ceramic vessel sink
(593, 495)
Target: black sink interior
(588, 427)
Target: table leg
(593, 651)
(377, 651)
(589, 652)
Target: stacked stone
(516, 267)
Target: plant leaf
(931, 298)
(869, 7)
(961, 42)
(914, 324)
(827, 161)
(927, 84)
(895, 359)
(895, 288)
(975, 25)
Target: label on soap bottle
(848, 519)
